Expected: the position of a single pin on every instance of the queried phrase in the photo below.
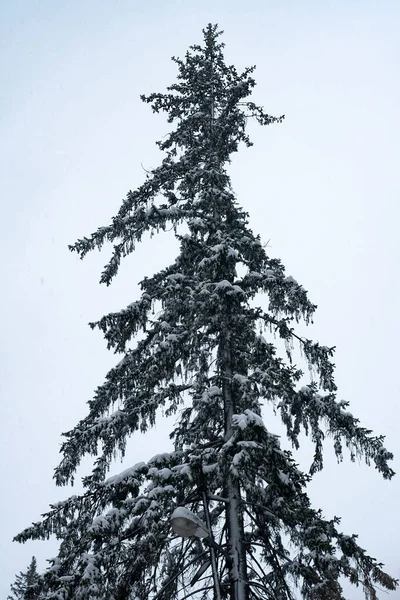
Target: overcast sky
(323, 188)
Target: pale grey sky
(323, 187)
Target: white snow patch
(131, 472)
(284, 477)
(247, 418)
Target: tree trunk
(234, 518)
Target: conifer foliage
(196, 344)
(26, 585)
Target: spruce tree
(198, 345)
(26, 585)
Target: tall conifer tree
(208, 355)
(26, 585)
